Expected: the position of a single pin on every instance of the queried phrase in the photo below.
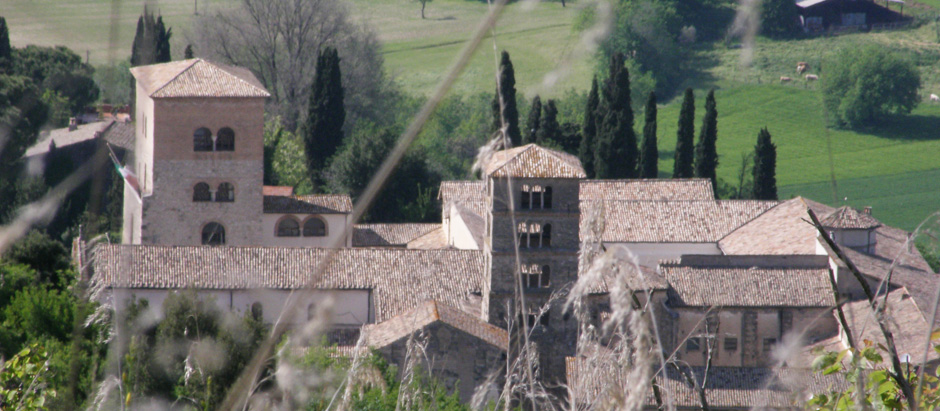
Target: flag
(129, 178)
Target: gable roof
(848, 218)
(647, 189)
(308, 204)
(389, 235)
(673, 221)
(903, 318)
(427, 313)
(432, 240)
(197, 78)
(753, 281)
(533, 161)
(470, 194)
(399, 278)
(783, 230)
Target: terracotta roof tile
(904, 319)
(427, 313)
(400, 279)
(647, 189)
(470, 194)
(197, 78)
(532, 161)
(782, 230)
(846, 217)
(389, 235)
(433, 240)
(308, 204)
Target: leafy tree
(765, 167)
(21, 114)
(58, 69)
(706, 154)
(589, 131)
(454, 133)
(779, 18)
(616, 154)
(37, 313)
(862, 85)
(285, 162)
(323, 130)
(59, 111)
(506, 92)
(423, 4)
(23, 380)
(6, 52)
(685, 149)
(647, 31)
(649, 157)
(43, 254)
(549, 130)
(151, 41)
(360, 158)
(533, 122)
(114, 82)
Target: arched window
(288, 227)
(314, 227)
(547, 198)
(545, 280)
(213, 234)
(225, 193)
(547, 235)
(202, 139)
(201, 192)
(225, 140)
(526, 202)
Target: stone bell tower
(532, 202)
(198, 156)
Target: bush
(862, 85)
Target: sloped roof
(532, 161)
(400, 279)
(768, 281)
(903, 318)
(848, 218)
(197, 78)
(648, 279)
(470, 194)
(782, 230)
(647, 189)
(430, 312)
(673, 221)
(433, 240)
(308, 204)
(389, 235)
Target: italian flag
(129, 178)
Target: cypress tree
(162, 35)
(151, 42)
(706, 155)
(649, 157)
(323, 130)
(188, 54)
(765, 167)
(616, 153)
(685, 139)
(589, 131)
(532, 123)
(6, 52)
(509, 112)
(549, 130)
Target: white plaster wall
(458, 234)
(350, 307)
(335, 223)
(691, 322)
(852, 238)
(768, 326)
(649, 254)
(729, 327)
(143, 145)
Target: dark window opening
(546, 272)
(731, 344)
(693, 344)
(202, 140)
(547, 235)
(769, 344)
(311, 311)
(225, 193)
(314, 227)
(257, 312)
(213, 234)
(288, 227)
(547, 198)
(201, 192)
(526, 202)
(225, 141)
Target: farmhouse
(822, 15)
(725, 283)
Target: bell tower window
(535, 197)
(202, 139)
(225, 193)
(225, 140)
(213, 234)
(535, 276)
(201, 192)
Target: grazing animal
(934, 97)
(811, 77)
(801, 67)
(784, 79)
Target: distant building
(823, 15)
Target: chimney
(73, 123)
(867, 210)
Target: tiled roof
(726, 388)
(470, 194)
(848, 218)
(197, 78)
(400, 279)
(63, 137)
(532, 161)
(120, 134)
(389, 235)
(285, 191)
(782, 230)
(433, 240)
(308, 204)
(427, 313)
(673, 221)
(647, 189)
(647, 279)
(724, 281)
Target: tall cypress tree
(188, 53)
(151, 42)
(163, 41)
(685, 138)
(649, 157)
(549, 130)
(706, 155)
(765, 167)
(323, 129)
(589, 131)
(616, 153)
(509, 112)
(532, 123)
(6, 52)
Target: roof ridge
(180, 73)
(780, 203)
